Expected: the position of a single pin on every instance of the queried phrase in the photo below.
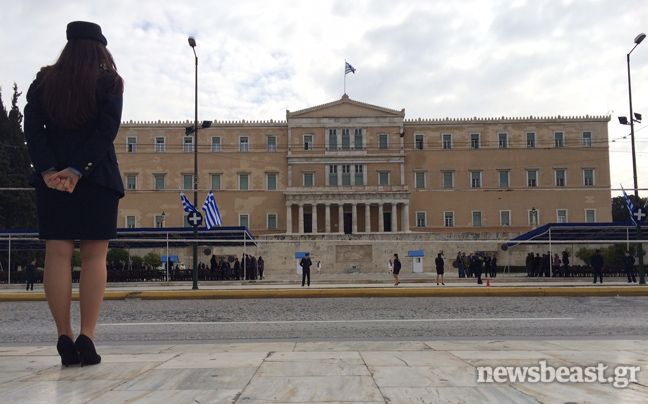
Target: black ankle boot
(68, 351)
(87, 351)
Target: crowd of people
(222, 268)
(476, 264)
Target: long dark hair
(69, 85)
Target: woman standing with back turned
(72, 116)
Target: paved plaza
(438, 371)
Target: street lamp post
(192, 43)
(168, 260)
(634, 117)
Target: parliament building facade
(348, 167)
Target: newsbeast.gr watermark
(618, 376)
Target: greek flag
(212, 215)
(186, 205)
(348, 68)
(629, 205)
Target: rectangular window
(448, 219)
(561, 216)
(588, 177)
(309, 179)
(244, 220)
(160, 182)
(420, 219)
(333, 176)
(505, 217)
(474, 141)
(559, 139)
(504, 178)
(131, 144)
(561, 177)
(215, 144)
(271, 180)
(346, 139)
(272, 221)
(531, 140)
(308, 142)
(160, 144)
(159, 221)
(448, 179)
(272, 143)
(383, 178)
(346, 175)
(383, 141)
(590, 215)
(187, 144)
(187, 181)
(476, 218)
(244, 144)
(587, 139)
(332, 139)
(216, 182)
(358, 139)
(502, 140)
(244, 182)
(359, 174)
(534, 217)
(418, 141)
(130, 222)
(532, 178)
(131, 181)
(419, 180)
(446, 139)
(475, 179)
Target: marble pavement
(438, 371)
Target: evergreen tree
(17, 205)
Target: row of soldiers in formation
(247, 268)
(475, 264)
(547, 266)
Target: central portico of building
(364, 189)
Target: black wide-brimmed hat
(85, 30)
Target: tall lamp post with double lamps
(635, 117)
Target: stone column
(314, 217)
(367, 218)
(341, 218)
(354, 217)
(289, 229)
(381, 218)
(394, 217)
(406, 225)
(301, 218)
(327, 218)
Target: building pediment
(345, 108)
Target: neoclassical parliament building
(348, 167)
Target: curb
(350, 292)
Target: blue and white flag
(629, 205)
(348, 68)
(186, 205)
(212, 215)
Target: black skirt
(88, 213)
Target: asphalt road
(145, 321)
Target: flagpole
(345, 62)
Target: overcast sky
(433, 58)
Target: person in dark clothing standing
(597, 265)
(565, 262)
(396, 270)
(493, 268)
(72, 117)
(438, 262)
(261, 267)
(476, 267)
(30, 273)
(306, 263)
(628, 266)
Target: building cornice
(507, 119)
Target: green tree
(153, 259)
(17, 205)
(117, 256)
(620, 210)
(136, 261)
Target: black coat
(88, 149)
